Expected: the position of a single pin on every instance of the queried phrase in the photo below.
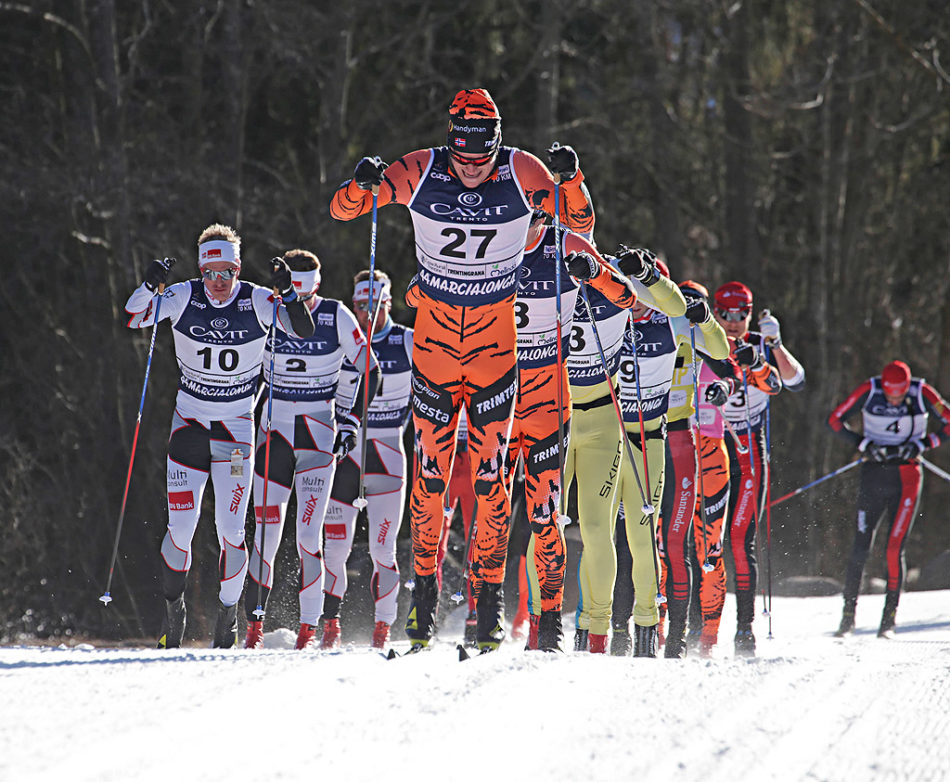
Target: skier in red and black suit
(767, 366)
(895, 409)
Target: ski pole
(767, 476)
(646, 508)
(707, 568)
(560, 349)
(636, 380)
(360, 502)
(935, 469)
(107, 595)
(259, 611)
(735, 438)
(830, 475)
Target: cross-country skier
(534, 436)
(471, 203)
(220, 325)
(895, 409)
(305, 444)
(767, 366)
(597, 457)
(385, 468)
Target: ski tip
(106, 599)
(463, 653)
(392, 655)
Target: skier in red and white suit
(220, 325)
(895, 409)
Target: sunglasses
(224, 274)
(472, 161)
(733, 316)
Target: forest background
(799, 147)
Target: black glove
(562, 161)
(638, 264)
(281, 280)
(697, 309)
(369, 172)
(910, 451)
(581, 266)
(873, 451)
(717, 393)
(346, 436)
(157, 272)
(747, 356)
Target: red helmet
(663, 268)
(895, 378)
(734, 296)
(695, 287)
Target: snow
(808, 707)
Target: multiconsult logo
(469, 198)
(219, 323)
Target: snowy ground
(809, 707)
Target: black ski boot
(675, 646)
(490, 617)
(225, 627)
(847, 618)
(621, 642)
(889, 617)
(173, 623)
(644, 641)
(422, 608)
(550, 634)
(745, 641)
(580, 640)
(471, 630)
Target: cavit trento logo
(469, 199)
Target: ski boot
(745, 641)
(889, 617)
(306, 637)
(331, 634)
(675, 647)
(490, 617)
(550, 634)
(597, 643)
(534, 622)
(580, 640)
(255, 635)
(847, 618)
(621, 643)
(644, 641)
(225, 627)
(173, 623)
(471, 630)
(421, 620)
(380, 635)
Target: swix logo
(309, 508)
(358, 337)
(236, 496)
(383, 530)
(181, 500)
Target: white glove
(769, 329)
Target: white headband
(218, 250)
(381, 291)
(306, 282)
